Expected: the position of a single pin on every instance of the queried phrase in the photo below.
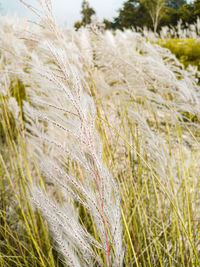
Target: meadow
(99, 147)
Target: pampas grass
(100, 148)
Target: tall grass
(100, 149)
(24, 234)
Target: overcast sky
(67, 11)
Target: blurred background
(66, 11)
(116, 13)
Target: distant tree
(186, 13)
(78, 24)
(108, 24)
(87, 12)
(154, 13)
(132, 14)
(170, 15)
(176, 4)
(197, 8)
(155, 8)
(150, 13)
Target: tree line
(153, 14)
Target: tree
(186, 13)
(108, 24)
(169, 17)
(87, 12)
(197, 8)
(78, 24)
(176, 4)
(155, 9)
(153, 13)
(132, 14)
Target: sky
(66, 11)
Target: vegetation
(187, 50)
(154, 14)
(87, 12)
(99, 155)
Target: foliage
(133, 14)
(155, 8)
(155, 14)
(78, 24)
(185, 13)
(176, 4)
(87, 12)
(197, 8)
(187, 50)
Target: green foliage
(176, 4)
(87, 12)
(78, 24)
(169, 17)
(156, 10)
(108, 24)
(197, 8)
(187, 50)
(132, 14)
(155, 14)
(185, 13)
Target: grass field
(186, 50)
(99, 148)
